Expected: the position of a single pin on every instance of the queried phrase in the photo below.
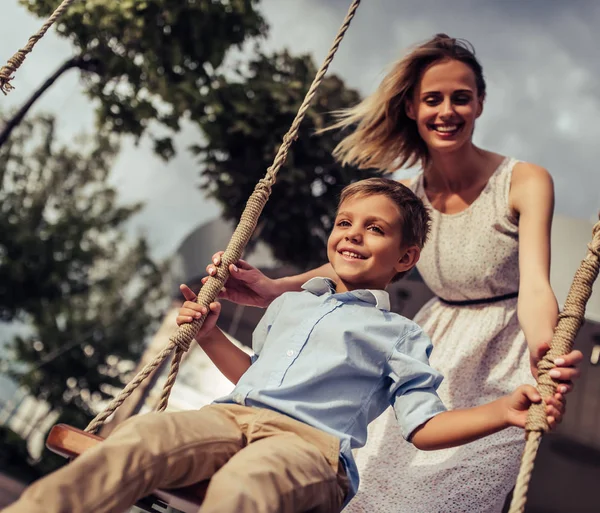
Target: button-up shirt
(336, 361)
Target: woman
(487, 260)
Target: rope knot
(183, 337)
(184, 345)
(263, 187)
(8, 71)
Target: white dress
(481, 351)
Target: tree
(147, 61)
(244, 125)
(89, 297)
(14, 458)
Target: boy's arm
(228, 358)
(458, 427)
(422, 416)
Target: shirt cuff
(416, 407)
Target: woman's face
(445, 106)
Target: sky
(539, 57)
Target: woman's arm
(248, 286)
(532, 199)
(532, 195)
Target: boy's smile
(365, 245)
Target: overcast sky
(540, 59)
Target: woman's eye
(462, 100)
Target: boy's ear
(408, 260)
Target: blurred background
(136, 132)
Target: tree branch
(81, 62)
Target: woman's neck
(459, 170)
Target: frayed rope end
(5, 85)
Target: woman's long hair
(384, 137)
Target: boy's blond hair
(415, 220)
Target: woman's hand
(518, 403)
(566, 367)
(246, 285)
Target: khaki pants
(257, 460)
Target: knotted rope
(569, 322)
(185, 334)
(7, 72)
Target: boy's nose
(354, 237)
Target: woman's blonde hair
(385, 138)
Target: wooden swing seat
(70, 442)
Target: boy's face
(365, 245)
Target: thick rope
(569, 322)
(99, 420)
(186, 333)
(8, 71)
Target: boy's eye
(343, 223)
(376, 229)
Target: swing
(70, 442)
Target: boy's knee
(140, 430)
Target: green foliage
(153, 59)
(67, 271)
(16, 462)
(244, 125)
(14, 457)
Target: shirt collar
(320, 286)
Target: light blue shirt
(336, 362)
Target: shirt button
(238, 398)
(290, 352)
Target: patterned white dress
(481, 351)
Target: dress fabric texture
(482, 354)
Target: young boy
(327, 361)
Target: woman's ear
(480, 101)
(409, 108)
